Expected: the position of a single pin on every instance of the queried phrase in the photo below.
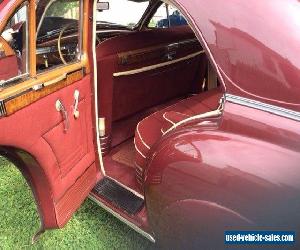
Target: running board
(122, 219)
(120, 197)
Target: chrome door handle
(61, 108)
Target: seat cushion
(153, 127)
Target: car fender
(183, 221)
(254, 178)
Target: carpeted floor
(125, 154)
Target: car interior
(149, 80)
(153, 74)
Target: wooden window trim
(34, 79)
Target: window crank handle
(61, 108)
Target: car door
(46, 118)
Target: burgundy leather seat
(153, 127)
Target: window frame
(16, 79)
(167, 9)
(80, 36)
(34, 79)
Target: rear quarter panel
(242, 172)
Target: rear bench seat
(121, 97)
(153, 127)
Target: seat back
(146, 68)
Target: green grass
(90, 228)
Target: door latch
(61, 108)
(75, 108)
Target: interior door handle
(76, 102)
(61, 108)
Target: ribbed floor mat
(119, 196)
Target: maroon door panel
(66, 158)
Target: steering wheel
(59, 43)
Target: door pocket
(68, 157)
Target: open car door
(46, 118)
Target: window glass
(167, 16)
(122, 12)
(14, 46)
(58, 36)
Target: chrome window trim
(287, 113)
(80, 27)
(27, 39)
(12, 81)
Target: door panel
(66, 158)
(56, 157)
(74, 137)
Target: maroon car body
(240, 170)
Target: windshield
(57, 14)
(123, 12)
(64, 9)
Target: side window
(167, 16)
(14, 47)
(58, 36)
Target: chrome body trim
(287, 113)
(118, 216)
(13, 80)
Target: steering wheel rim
(59, 44)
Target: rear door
(46, 118)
